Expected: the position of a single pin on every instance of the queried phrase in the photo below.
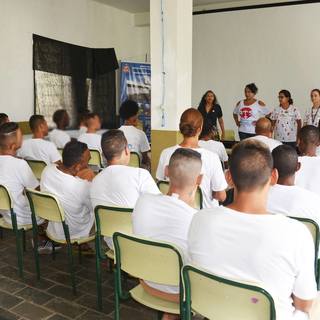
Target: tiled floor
(51, 297)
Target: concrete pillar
(171, 52)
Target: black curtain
(80, 64)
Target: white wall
(277, 48)
(81, 22)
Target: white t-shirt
(73, 194)
(308, 177)
(166, 218)
(213, 176)
(121, 186)
(39, 149)
(249, 115)
(93, 140)
(137, 139)
(285, 123)
(216, 147)
(294, 201)
(312, 117)
(16, 175)
(271, 143)
(59, 137)
(270, 250)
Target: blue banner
(135, 84)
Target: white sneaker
(45, 247)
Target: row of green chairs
(37, 166)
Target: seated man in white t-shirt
(37, 148)
(207, 142)
(73, 192)
(244, 242)
(285, 197)
(15, 173)
(91, 138)
(308, 176)
(167, 217)
(58, 136)
(137, 139)
(264, 133)
(118, 184)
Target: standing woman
(286, 120)
(312, 116)
(248, 111)
(211, 112)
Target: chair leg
(79, 254)
(71, 268)
(116, 298)
(159, 315)
(19, 253)
(1, 233)
(36, 253)
(110, 265)
(99, 286)
(24, 240)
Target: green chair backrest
(164, 188)
(229, 135)
(112, 219)
(149, 260)
(45, 206)
(135, 160)
(5, 199)
(218, 298)
(96, 158)
(37, 166)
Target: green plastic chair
(218, 298)
(164, 188)
(135, 160)
(95, 159)
(315, 232)
(108, 221)
(47, 207)
(37, 166)
(19, 231)
(150, 260)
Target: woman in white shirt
(286, 120)
(248, 111)
(213, 184)
(312, 116)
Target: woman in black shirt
(211, 112)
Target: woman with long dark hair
(248, 111)
(211, 112)
(286, 120)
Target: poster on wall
(135, 84)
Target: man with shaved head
(15, 174)
(245, 242)
(264, 133)
(167, 217)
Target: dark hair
(287, 94)
(82, 115)
(3, 118)
(190, 122)
(113, 142)
(206, 130)
(285, 160)
(72, 152)
(6, 131)
(202, 103)
(252, 87)
(309, 135)
(250, 165)
(59, 115)
(186, 153)
(35, 121)
(315, 90)
(128, 109)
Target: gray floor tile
(34, 295)
(7, 300)
(31, 311)
(68, 309)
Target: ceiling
(136, 6)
